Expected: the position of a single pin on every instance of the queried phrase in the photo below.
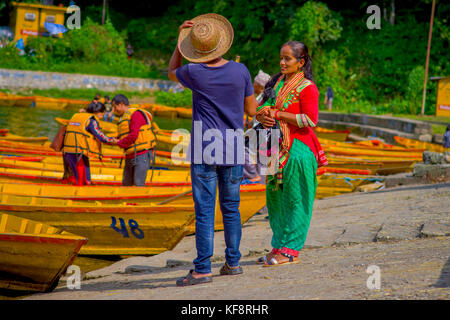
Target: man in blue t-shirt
(221, 91)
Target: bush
(414, 90)
(92, 49)
(179, 99)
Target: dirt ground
(403, 231)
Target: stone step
(367, 130)
(394, 123)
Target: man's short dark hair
(120, 98)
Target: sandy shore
(404, 231)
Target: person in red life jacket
(83, 139)
(136, 139)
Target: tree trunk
(392, 17)
(104, 12)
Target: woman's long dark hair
(95, 107)
(300, 51)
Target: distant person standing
(446, 140)
(109, 115)
(329, 98)
(129, 51)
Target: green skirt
(290, 204)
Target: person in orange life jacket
(82, 140)
(136, 139)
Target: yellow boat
(24, 102)
(75, 104)
(50, 103)
(372, 166)
(164, 111)
(111, 176)
(7, 100)
(376, 154)
(410, 143)
(388, 165)
(331, 134)
(185, 113)
(15, 139)
(368, 145)
(112, 229)
(33, 255)
(253, 196)
(345, 180)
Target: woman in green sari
(291, 191)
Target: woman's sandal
(274, 262)
(189, 280)
(226, 270)
(264, 259)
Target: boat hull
(34, 256)
(111, 229)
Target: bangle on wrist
(276, 115)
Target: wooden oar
(175, 197)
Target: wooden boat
(253, 196)
(411, 143)
(50, 103)
(368, 145)
(388, 165)
(372, 166)
(373, 153)
(76, 104)
(167, 143)
(112, 229)
(345, 180)
(329, 134)
(13, 138)
(24, 102)
(33, 255)
(102, 177)
(164, 111)
(185, 113)
(7, 100)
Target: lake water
(32, 122)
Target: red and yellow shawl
(301, 97)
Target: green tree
(314, 24)
(414, 90)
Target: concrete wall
(380, 126)
(19, 79)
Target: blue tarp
(20, 44)
(54, 28)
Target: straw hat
(209, 38)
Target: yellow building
(443, 96)
(27, 20)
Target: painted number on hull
(134, 228)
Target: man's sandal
(226, 270)
(274, 262)
(189, 280)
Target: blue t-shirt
(218, 111)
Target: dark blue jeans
(204, 183)
(135, 170)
